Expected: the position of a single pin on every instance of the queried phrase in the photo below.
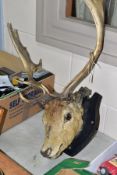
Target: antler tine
(97, 10)
(29, 66)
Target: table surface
(23, 143)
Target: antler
(97, 10)
(29, 66)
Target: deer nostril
(47, 152)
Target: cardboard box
(13, 110)
(17, 109)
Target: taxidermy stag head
(63, 114)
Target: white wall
(64, 64)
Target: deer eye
(67, 117)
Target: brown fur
(59, 133)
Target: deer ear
(79, 100)
(79, 96)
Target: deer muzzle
(52, 152)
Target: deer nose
(46, 153)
